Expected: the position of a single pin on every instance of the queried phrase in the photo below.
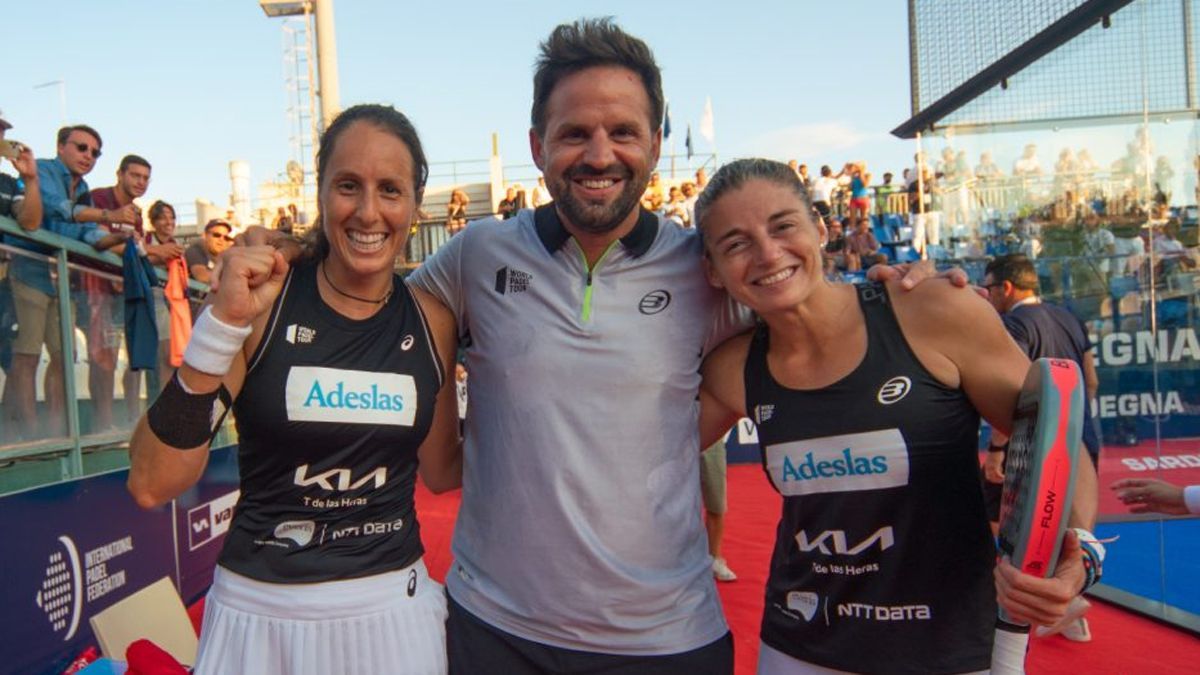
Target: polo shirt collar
(553, 235)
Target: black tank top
(329, 422)
(883, 557)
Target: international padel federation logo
(61, 594)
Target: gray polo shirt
(580, 519)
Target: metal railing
(69, 264)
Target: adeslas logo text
(847, 464)
(338, 398)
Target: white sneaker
(721, 570)
(1072, 626)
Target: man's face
(134, 180)
(996, 293)
(217, 239)
(598, 148)
(79, 153)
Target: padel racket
(1039, 483)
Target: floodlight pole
(327, 84)
(327, 70)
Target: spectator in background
(987, 169)
(456, 212)
(690, 195)
(1028, 165)
(161, 247)
(1099, 244)
(653, 196)
(835, 249)
(802, 172)
(675, 210)
(201, 256)
(100, 304)
(822, 192)
(701, 179)
(20, 198)
(884, 191)
(519, 195)
(1171, 255)
(541, 196)
(508, 206)
(713, 482)
(284, 221)
(926, 222)
(862, 248)
(68, 212)
(860, 190)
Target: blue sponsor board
(74, 549)
(202, 516)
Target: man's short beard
(599, 219)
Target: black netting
(957, 39)
(1101, 72)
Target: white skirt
(368, 625)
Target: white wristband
(214, 344)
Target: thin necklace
(387, 296)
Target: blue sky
(193, 84)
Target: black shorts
(822, 208)
(476, 647)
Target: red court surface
(1121, 641)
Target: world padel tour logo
(350, 396)
(867, 461)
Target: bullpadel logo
(350, 396)
(867, 461)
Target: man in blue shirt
(1040, 329)
(67, 211)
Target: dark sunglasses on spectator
(84, 147)
(221, 236)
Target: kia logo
(654, 302)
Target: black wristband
(997, 448)
(185, 421)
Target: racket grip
(1008, 649)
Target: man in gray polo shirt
(578, 543)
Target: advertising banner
(74, 549)
(70, 551)
(202, 516)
